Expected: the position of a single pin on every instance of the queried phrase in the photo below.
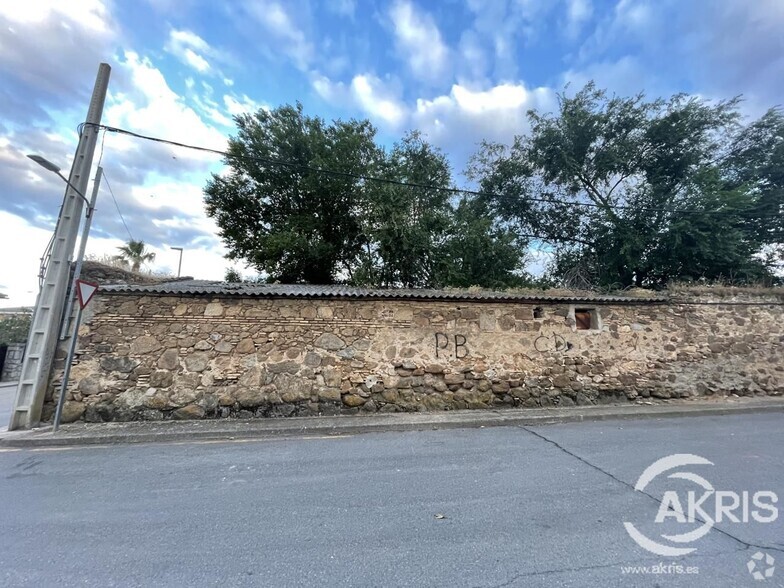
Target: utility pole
(88, 221)
(39, 355)
(74, 285)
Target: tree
(405, 228)
(478, 252)
(277, 212)
(307, 201)
(756, 163)
(232, 275)
(628, 190)
(136, 254)
(14, 328)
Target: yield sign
(85, 291)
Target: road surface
(495, 507)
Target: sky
(460, 71)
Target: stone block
(112, 363)
(213, 309)
(329, 394)
(451, 379)
(251, 397)
(90, 385)
(190, 412)
(353, 400)
(329, 342)
(72, 412)
(332, 377)
(284, 367)
(169, 359)
(144, 344)
(196, 362)
(487, 322)
(161, 379)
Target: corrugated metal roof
(204, 288)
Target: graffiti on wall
(551, 342)
(451, 347)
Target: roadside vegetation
(616, 192)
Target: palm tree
(135, 253)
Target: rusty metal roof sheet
(207, 288)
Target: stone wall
(12, 366)
(183, 357)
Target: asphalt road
(492, 507)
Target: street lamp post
(48, 165)
(179, 266)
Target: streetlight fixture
(48, 165)
(179, 266)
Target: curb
(233, 430)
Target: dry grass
(566, 292)
(117, 273)
(681, 289)
(725, 290)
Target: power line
(103, 140)
(394, 182)
(117, 206)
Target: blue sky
(458, 70)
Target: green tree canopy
(290, 221)
(633, 191)
(381, 218)
(14, 328)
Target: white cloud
(282, 31)
(419, 40)
(152, 107)
(235, 106)
(634, 15)
(377, 99)
(733, 48)
(19, 274)
(625, 76)
(503, 26)
(474, 62)
(457, 122)
(578, 12)
(47, 47)
(90, 14)
(190, 49)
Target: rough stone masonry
(181, 352)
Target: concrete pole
(39, 354)
(77, 273)
(80, 257)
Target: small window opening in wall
(538, 312)
(584, 318)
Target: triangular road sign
(85, 291)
